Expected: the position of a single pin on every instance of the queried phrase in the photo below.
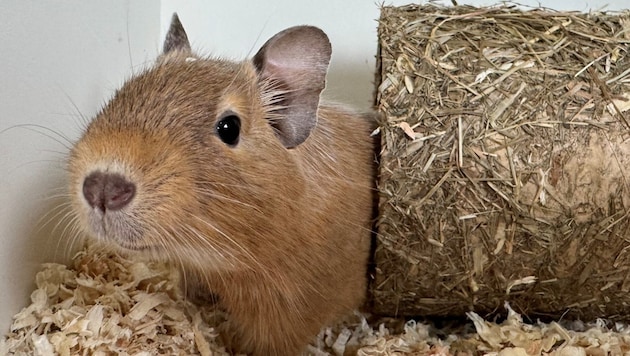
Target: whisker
(212, 194)
(199, 260)
(45, 131)
(35, 162)
(217, 184)
(59, 196)
(257, 40)
(233, 242)
(83, 121)
(51, 215)
(129, 42)
(71, 228)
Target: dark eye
(229, 129)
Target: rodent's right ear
(176, 38)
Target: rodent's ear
(296, 61)
(176, 38)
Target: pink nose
(107, 191)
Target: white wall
(53, 56)
(237, 28)
(58, 55)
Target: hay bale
(505, 162)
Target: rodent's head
(194, 150)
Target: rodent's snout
(108, 191)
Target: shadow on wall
(36, 220)
(351, 84)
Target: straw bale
(505, 162)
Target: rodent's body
(314, 267)
(276, 225)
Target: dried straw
(505, 162)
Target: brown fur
(280, 235)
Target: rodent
(238, 173)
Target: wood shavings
(106, 304)
(139, 311)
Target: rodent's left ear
(176, 38)
(296, 61)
